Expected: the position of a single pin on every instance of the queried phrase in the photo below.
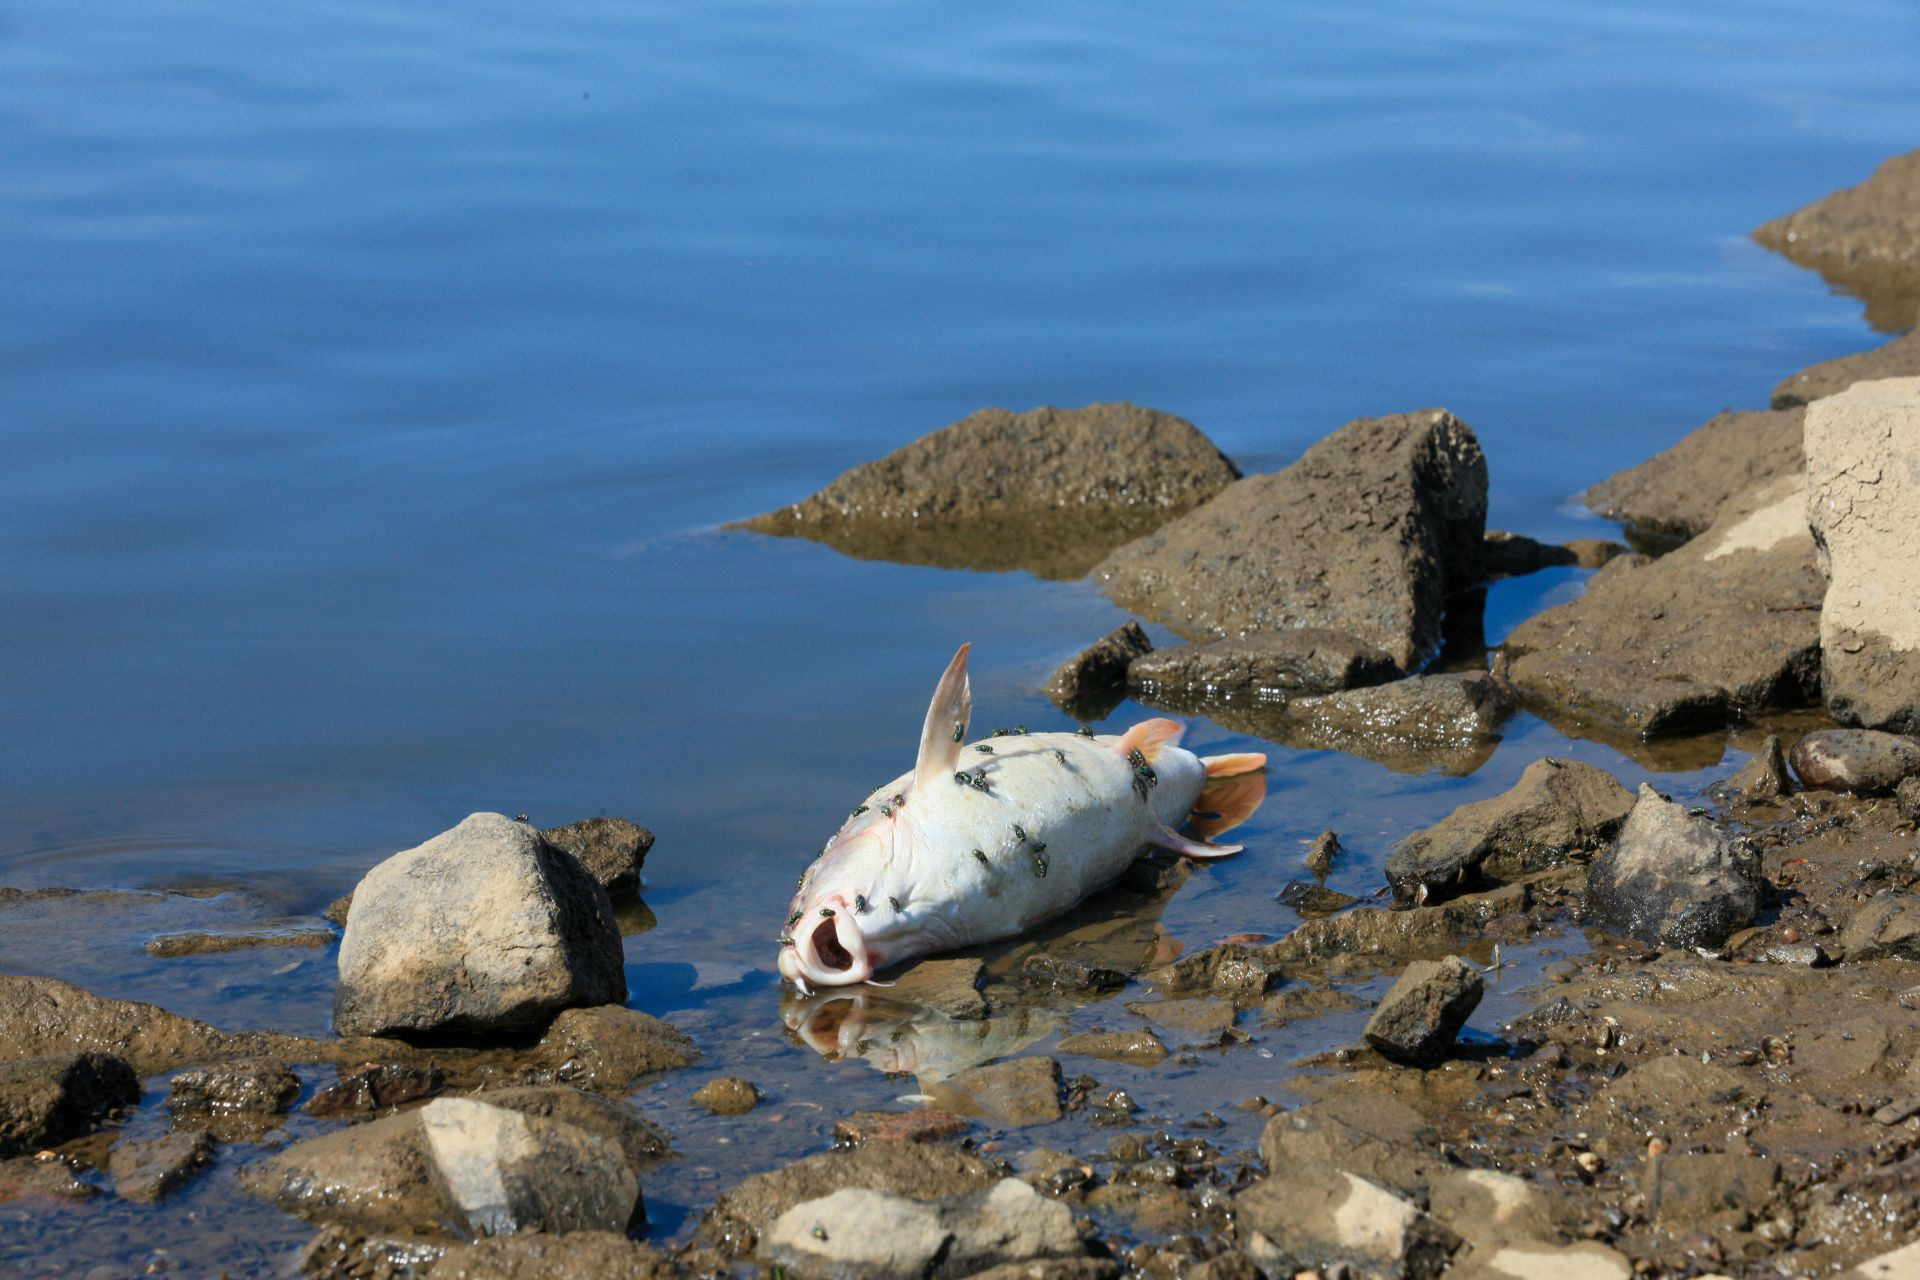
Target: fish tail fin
(1229, 766)
(1149, 736)
(1167, 838)
(946, 725)
(1227, 801)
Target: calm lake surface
(377, 378)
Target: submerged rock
(1265, 667)
(1673, 879)
(1760, 780)
(1861, 240)
(374, 1177)
(1139, 1046)
(200, 942)
(503, 1171)
(1726, 625)
(1393, 936)
(1098, 673)
(926, 1124)
(1897, 359)
(1863, 499)
(1677, 494)
(146, 1171)
(1016, 1093)
(250, 1086)
(1861, 760)
(612, 850)
(45, 1101)
(856, 1233)
(1512, 555)
(1050, 490)
(483, 929)
(1420, 1017)
(1558, 807)
(46, 1016)
(1362, 536)
(728, 1096)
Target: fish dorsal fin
(1149, 736)
(946, 726)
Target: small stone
(1320, 855)
(1099, 671)
(1062, 973)
(1673, 879)
(612, 850)
(247, 1086)
(1761, 779)
(923, 1125)
(146, 1171)
(1311, 899)
(1417, 1021)
(857, 1233)
(376, 1086)
(1895, 1112)
(728, 1096)
(1906, 798)
(1139, 1046)
(1860, 760)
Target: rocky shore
(1580, 1030)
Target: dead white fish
(985, 840)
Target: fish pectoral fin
(1226, 801)
(946, 724)
(1167, 838)
(1233, 765)
(1149, 736)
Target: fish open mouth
(827, 949)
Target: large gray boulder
(1726, 625)
(1050, 490)
(1678, 493)
(484, 928)
(1897, 359)
(1673, 879)
(1363, 536)
(1864, 240)
(1863, 501)
(1558, 807)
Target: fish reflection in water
(897, 1037)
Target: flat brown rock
(1021, 1092)
(1864, 240)
(1677, 493)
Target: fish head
(830, 938)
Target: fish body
(983, 840)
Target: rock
(1140, 1046)
(504, 1171)
(375, 1086)
(1896, 1264)
(640, 1142)
(923, 1125)
(483, 929)
(1760, 780)
(1696, 1191)
(1724, 626)
(146, 1171)
(1862, 760)
(340, 1253)
(1378, 1138)
(40, 1016)
(1263, 667)
(248, 1086)
(1319, 1216)
(1392, 936)
(1490, 1209)
(1098, 672)
(611, 1046)
(1234, 972)
(612, 850)
(1861, 240)
(336, 912)
(856, 1233)
(1016, 1093)
(25, 1177)
(1362, 536)
(1058, 1269)
(1320, 855)
(1673, 879)
(46, 1101)
(374, 1177)
(1863, 500)
(1886, 927)
(728, 1096)
(1558, 807)
(1906, 797)
(918, 1171)
(1897, 359)
(1535, 1260)
(1050, 490)
(1514, 555)
(578, 1255)
(1678, 494)
(950, 986)
(169, 946)
(1065, 974)
(1203, 1021)
(1310, 899)
(1415, 716)
(1417, 1021)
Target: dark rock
(1416, 717)
(376, 1086)
(728, 1096)
(1887, 927)
(146, 1171)
(1726, 625)
(1378, 1138)
(1320, 855)
(1051, 490)
(1063, 973)
(577, 1255)
(1558, 807)
(1321, 1216)
(610, 1047)
(1139, 1046)
(46, 1101)
(1514, 555)
(919, 1171)
(926, 1124)
(341, 1253)
(199, 943)
(1311, 899)
(1362, 536)
(248, 1086)
(1678, 494)
(1861, 240)
(858, 1233)
(1760, 780)
(1017, 1093)
(1099, 671)
(1539, 1022)
(1267, 666)
(1863, 760)
(1419, 1019)
(336, 912)
(1863, 497)
(612, 850)
(503, 1171)
(1897, 359)
(483, 929)
(1673, 879)
(1906, 797)
(948, 985)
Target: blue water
(374, 379)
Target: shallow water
(378, 378)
